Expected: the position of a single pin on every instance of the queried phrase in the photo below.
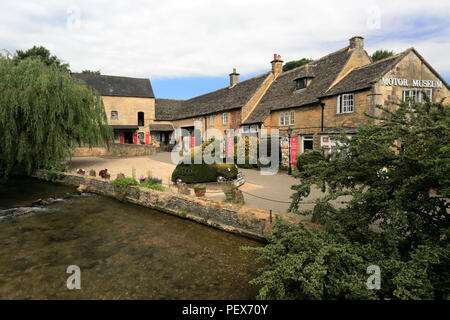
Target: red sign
(192, 141)
(121, 138)
(135, 140)
(230, 147)
(293, 150)
(147, 137)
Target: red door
(135, 140)
(121, 138)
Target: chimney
(277, 64)
(357, 42)
(234, 78)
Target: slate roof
(364, 77)
(282, 93)
(117, 86)
(161, 127)
(167, 109)
(221, 100)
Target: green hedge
(196, 173)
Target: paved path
(258, 189)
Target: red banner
(147, 137)
(293, 150)
(135, 140)
(192, 141)
(121, 138)
(230, 147)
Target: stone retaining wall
(242, 220)
(116, 150)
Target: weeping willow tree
(44, 114)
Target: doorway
(307, 143)
(128, 137)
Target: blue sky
(188, 48)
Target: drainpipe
(323, 107)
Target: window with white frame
(114, 115)
(245, 129)
(225, 118)
(345, 103)
(416, 95)
(254, 128)
(286, 118)
(211, 120)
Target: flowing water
(123, 251)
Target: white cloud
(159, 39)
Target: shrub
(199, 187)
(150, 185)
(197, 173)
(121, 186)
(387, 172)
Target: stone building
(129, 105)
(312, 100)
(338, 89)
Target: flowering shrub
(104, 173)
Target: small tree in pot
(200, 190)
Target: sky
(187, 48)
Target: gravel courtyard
(264, 192)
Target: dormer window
(301, 83)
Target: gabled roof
(117, 86)
(282, 93)
(364, 77)
(221, 100)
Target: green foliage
(197, 173)
(296, 63)
(57, 166)
(390, 218)
(91, 72)
(199, 187)
(381, 54)
(154, 186)
(121, 186)
(44, 114)
(43, 54)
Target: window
(114, 115)
(211, 120)
(416, 95)
(140, 119)
(141, 136)
(245, 129)
(301, 83)
(287, 118)
(254, 128)
(345, 103)
(225, 118)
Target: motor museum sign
(411, 83)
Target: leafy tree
(91, 72)
(296, 63)
(393, 178)
(381, 54)
(44, 112)
(42, 53)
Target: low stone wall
(245, 221)
(116, 150)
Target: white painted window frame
(225, 118)
(345, 103)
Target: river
(123, 251)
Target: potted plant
(81, 171)
(227, 188)
(200, 190)
(92, 173)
